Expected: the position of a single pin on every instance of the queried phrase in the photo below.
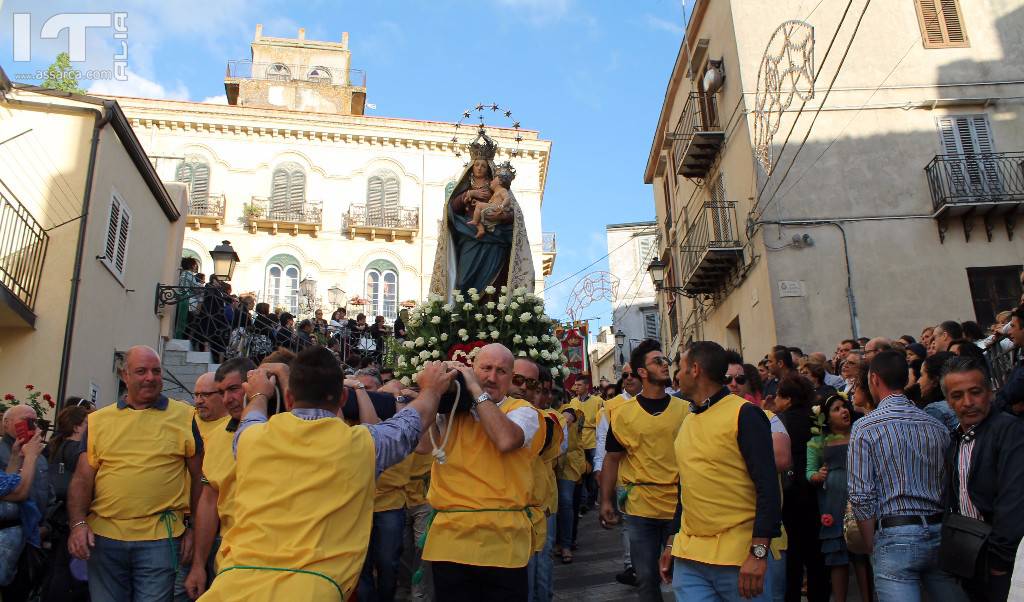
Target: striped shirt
(963, 467)
(896, 461)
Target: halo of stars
(477, 113)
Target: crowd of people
(298, 477)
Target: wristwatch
(485, 396)
(359, 386)
(759, 551)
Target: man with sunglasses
(640, 450)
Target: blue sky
(588, 75)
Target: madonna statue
(501, 256)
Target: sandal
(566, 557)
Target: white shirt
(602, 437)
(526, 419)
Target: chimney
(344, 39)
(302, 33)
(259, 31)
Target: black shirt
(653, 407)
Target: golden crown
(483, 147)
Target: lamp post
(657, 271)
(620, 338)
(335, 296)
(224, 260)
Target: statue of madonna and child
(483, 240)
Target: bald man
(480, 541)
(209, 402)
(127, 502)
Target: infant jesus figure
(497, 210)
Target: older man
(876, 346)
(127, 502)
(215, 512)
(984, 479)
(480, 541)
(943, 336)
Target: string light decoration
(787, 72)
(477, 113)
(595, 286)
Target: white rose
(522, 354)
(501, 307)
(544, 318)
(444, 336)
(467, 307)
(544, 338)
(415, 361)
(538, 309)
(481, 336)
(494, 335)
(475, 352)
(504, 290)
(433, 340)
(463, 332)
(435, 320)
(435, 354)
(420, 342)
(565, 372)
(409, 344)
(475, 297)
(449, 307)
(517, 339)
(514, 305)
(490, 319)
(401, 360)
(510, 318)
(425, 355)
(533, 353)
(479, 317)
(459, 298)
(464, 337)
(416, 377)
(525, 317)
(472, 291)
(490, 305)
(544, 355)
(405, 380)
(531, 340)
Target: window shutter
(296, 190)
(650, 325)
(953, 21)
(941, 24)
(391, 193)
(112, 227)
(183, 173)
(200, 184)
(279, 191)
(122, 242)
(374, 200)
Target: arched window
(282, 283)
(382, 199)
(195, 172)
(194, 255)
(319, 74)
(287, 190)
(382, 289)
(279, 72)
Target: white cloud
(659, 24)
(220, 99)
(140, 87)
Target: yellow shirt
(717, 494)
(303, 500)
(572, 465)
(419, 480)
(544, 487)
(208, 426)
(490, 488)
(648, 468)
(590, 408)
(219, 471)
(390, 493)
(139, 458)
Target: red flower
(460, 351)
(29, 387)
(46, 396)
(9, 397)
(52, 404)
(827, 520)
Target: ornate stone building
(308, 188)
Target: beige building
(631, 247)
(308, 188)
(899, 209)
(87, 231)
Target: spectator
(400, 329)
(896, 466)
(736, 377)
(814, 370)
(780, 364)
(764, 372)
(830, 378)
(863, 341)
(944, 334)
(319, 323)
(931, 398)
(590, 405)
(842, 351)
(907, 340)
(186, 307)
(23, 505)
(875, 346)
(755, 386)
(1012, 392)
(863, 402)
(984, 482)
(304, 336)
(285, 334)
(972, 331)
(851, 368)
(926, 336)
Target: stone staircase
(182, 367)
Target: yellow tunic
(303, 500)
(208, 426)
(390, 494)
(139, 458)
(544, 487)
(590, 408)
(648, 468)
(480, 496)
(572, 465)
(419, 480)
(219, 471)
(717, 494)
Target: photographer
(308, 459)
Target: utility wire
(593, 263)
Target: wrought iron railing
(211, 206)
(1001, 362)
(306, 212)
(550, 242)
(978, 178)
(700, 114)
(316, 74)
(23, 245)
(714, 228)
(405, 218)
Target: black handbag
(964, 540)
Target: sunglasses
(740, 379)
(519, 380)
(627, 375)
(661, 360)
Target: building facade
(804, 197)
(87, 231)
(631, 248)
(307, 188)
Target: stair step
(178, 345)
(198, 357)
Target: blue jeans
(699, 582)
(647, 538)
(777, 577)
(132, 571)
(382, 557)
(540, 567)
(566, 489)
(906, 561)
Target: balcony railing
(550, 244)
(712, 248)
(698, 136)
(314, 74)
(306, 212)
(23, 245)
(393, 222)
(965, 182)
(211, 206)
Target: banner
(574, 340)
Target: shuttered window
(196, 174)
(651, 323)
(968, 138)
(382, 199)
(942, 24)
(115, 251)
(287, 191)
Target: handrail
(23, 244)
(211, 206)
(407, 218)
(714, 228)
(700, 114)
(305, 212)
(976, 178)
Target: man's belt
(888, 522)
(8, 523)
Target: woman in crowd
(185, 307)
(927, 392)
(755, 385)
(799, 499)
(863, 402)
(285, 334)
(851, 368)
(826, 469)
(814, 371)
(263, 333)
(403, 317)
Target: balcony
(988, 185)
(698, 137)
(392, 223)
(264, 214)
(206, 212)
(711, 250)
(23, 245)
(550, 252)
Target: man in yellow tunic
(480, 540)
(127, 503)
(305, 483)
(639, 451)
(729, 489)
(591, 407)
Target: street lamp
(620, 338)
(657, 271)
(307, 287)
(335, 296)
(224, 260)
